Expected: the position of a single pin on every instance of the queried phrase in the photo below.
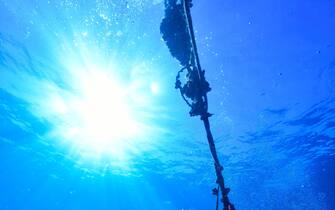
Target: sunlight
(104, 116)
(154, 88)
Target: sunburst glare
(103, 114)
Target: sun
(102, 116)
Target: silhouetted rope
(182, 45)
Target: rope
(218, 168)
(227, 205)
(216, 193)
(178, 33)
(178, 86)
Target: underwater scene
(167, 105)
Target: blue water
(66, 142)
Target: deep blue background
(271, 65)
